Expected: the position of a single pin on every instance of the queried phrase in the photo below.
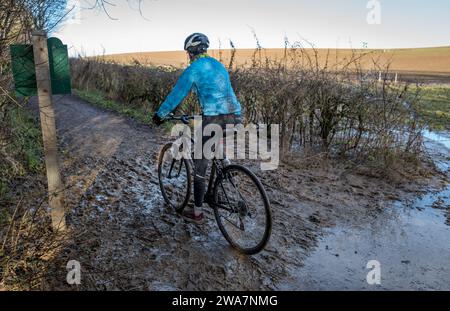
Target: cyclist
(210, 81)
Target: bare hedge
(341, 109)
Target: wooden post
(47, 115)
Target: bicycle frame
(216, 168)
(208, 195)
(236, 209)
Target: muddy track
(125, 237)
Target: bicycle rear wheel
(174, 178)
(242, 209)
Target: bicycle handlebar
(184, 118)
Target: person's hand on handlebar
(184, 118)
(157, 120)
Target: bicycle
(232, 192)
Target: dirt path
(126, 238)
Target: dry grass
(27, 243)
(29, 248)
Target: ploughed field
(427, 64)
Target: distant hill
(419, 60)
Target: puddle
(410, 241)
(438, 137)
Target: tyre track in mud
(126, 238)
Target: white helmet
(196, 43)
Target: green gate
(24, 73)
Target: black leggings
(201, 165)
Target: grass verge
(97, 98)
(139, 113)
(23, 148)
(435, 106)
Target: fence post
(47, 116)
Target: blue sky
(326, 23)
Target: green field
(435, 106)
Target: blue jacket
(210, 80)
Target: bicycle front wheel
(242, 209)
(174, 178)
